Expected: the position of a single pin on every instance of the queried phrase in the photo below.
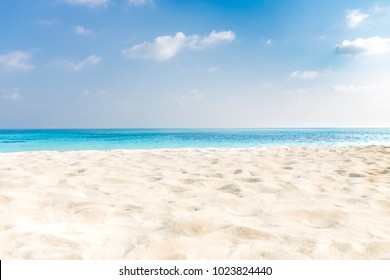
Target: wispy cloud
(381, 9)
(359, 88)
(166, 47)
(212, 69)
(78, 29)
(90, 3)
(77, 66)
(214, 38)
(186, 98)
(11, 94)
(295, 91)
(16, 61)
(269, 42)
(305, 74)
(360, 46)
(89, 92)
(355, 18)
(140, 2)
(48, 22)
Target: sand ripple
(257, 203)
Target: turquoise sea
(106, 139)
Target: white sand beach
(256, 203)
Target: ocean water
(106, 139)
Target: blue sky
(169, 64)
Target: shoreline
(276, 202)
(74, 140)
(206, 148)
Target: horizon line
(198, 128)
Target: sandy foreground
(257, 203)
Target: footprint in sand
(188, 181)
(231, 188)
(130, 208)
(250, 180)
(151, 179)
(243, 232)
(177, 189)
(341, 172)
(355, 175)
(255, 173)
(216, 175)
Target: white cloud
(90, 3)
(269, 42)
(346, 88)
(212, 39)
(295, 92)
(163, 47)
(359, 88)
(140, 2)
(212, 69)
(355, 18)
(11, 94)
(16, 61)
(88, 92)
(77, 66)
(305, 74)
(82, 31)
(361, 46)
(166, 47)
